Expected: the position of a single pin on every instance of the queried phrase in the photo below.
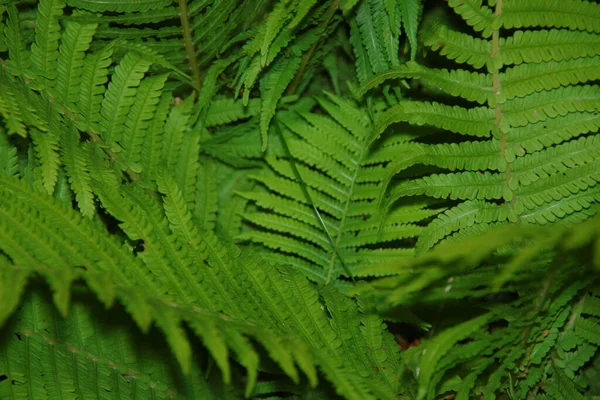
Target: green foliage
(286, 199)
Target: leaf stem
(502, 133)
(189, 45)
(308, 55)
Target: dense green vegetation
(299, 199)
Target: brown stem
(308, 55)
(497, 92)
(189, 45)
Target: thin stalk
(308, 55)
(189, 45)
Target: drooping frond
(554, 326)
(93, 361)
(286, 307)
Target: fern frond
(19, 57)
(549, 105)
(151, 156)
(44, 51)
(138, 119)
(75, 41)
(271, 91)
(206, 202)
(93, 78)
(162, 256)
(439, 346)
(120, 6)
(463, 216)
(351, 330)
(120, 96)
(9, 160)
(457, 46)
(46, 148)
(175, 128)
(561, 387)
(290, 297)
(469, 85)
(362, 65)
(526, 79)
(225, 111)
(572, 14)
(475, 14)
(547, 45)
(410, 12)
(471, 121)
(77, 169)
(107, 253)
(533, 111)
(11, 110)
(367, 25)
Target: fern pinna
(194, 203)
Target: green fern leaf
(12, 112)
(138, 119)
(120, 96)
(457, 46)
(225, 111)
(410, 12)
(272, 89)
(561, 388)
(18, 56)
(526, 79)
(13, 281)
(475, 14)
(46, 148)
(120, 6)
(77, 170)
(75, 41)
(370, 39)
(206, 202)
(547, 45)
(93, 78)
(471, 86)
(44, 51)
(439, 346)
(151, 156)
(9, 162)
(362, 65)
(332, 158)
(473, 121)
(572, 14)
(175, 130)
